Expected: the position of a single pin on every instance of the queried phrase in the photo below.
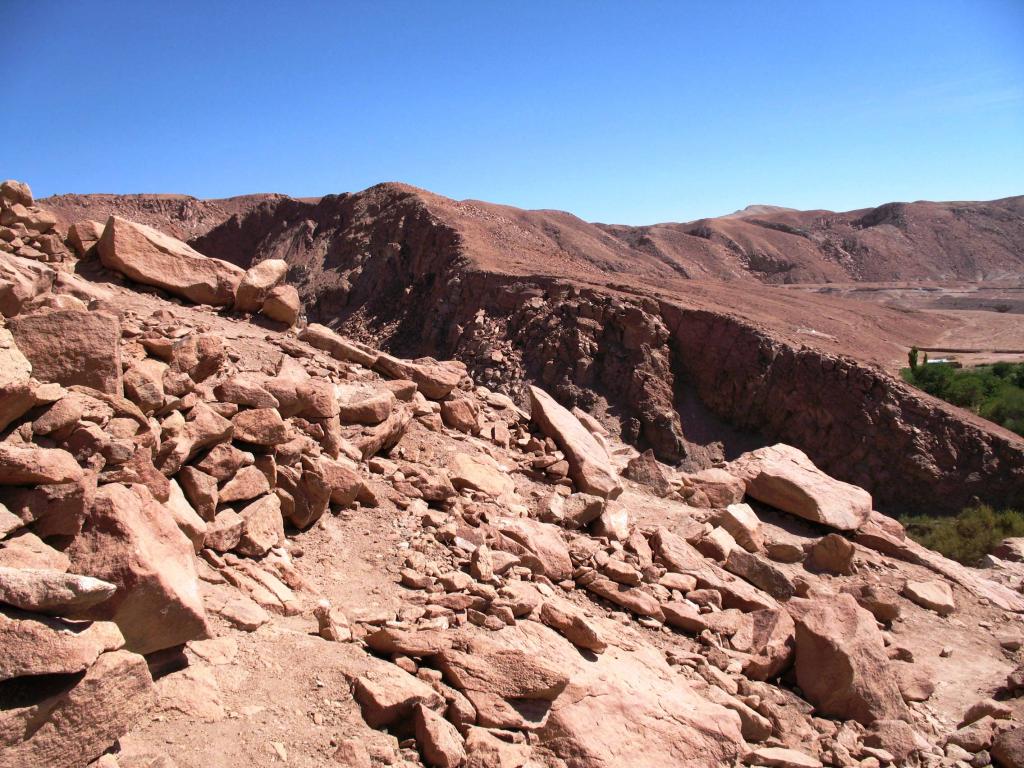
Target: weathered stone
(438, 740)
(841, 663)
(743, 525)
(51, 591)
(84, 235)
(31, 465)
(72, 347)
(543, 541)
(644, 469)
(257, 282)
(75, 727)
(509, 688)
(224, 532)
(783, 477)
(719, 487)
(934, 595)
(201, 491)
(573, 625)
(461, 413)
(248, 483)
(262, 526)
(388, 695)
(41, 645)
(831, 554)
(761, 573)
(435, 380)
(260, 426)
(589, 465)
(150, 257)
(283, 305)
(632, 599)
(131, 541)
(185, 516)
(324, 338)
(479, 473)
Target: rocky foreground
(232, 538)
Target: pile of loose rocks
(564, 601)
(27, 230)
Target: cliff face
(696, 371)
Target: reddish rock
(131, 541)
(372, 409)
(31, 465)
(831, 554)
(435, 380)
(247, 484)
(75, 727)
(841, 663)
(644, 469)
(387, 695)
(41, 645)
(283, 305)
(260, 426)
(719, 487)
(72, 346)
(544, 543)
(569, 622)
(324, 338)
(461, 413)
(438, 740)
(589, 465)
(150, 257)
(262, 527)
(257, 283)
(783, 477)
(934, 595)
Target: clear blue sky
(630, 112)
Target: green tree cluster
(995, 392)
(967, 537)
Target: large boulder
(150, 257)
(257, 283)
(51, 591)
(76, 726)
(623, 707)
(40, 645)
(131, 540)
(841, 663)
(72, 346)
(435, 380)
(783, 477)
(589, 465)
(21, 281)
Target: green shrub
(995, 392)
(973, 533)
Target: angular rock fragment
(131, 541)
(51, 591)
(150, 257)
(783, 477)
(589, 466)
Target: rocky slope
(697, 371)
(231, 538)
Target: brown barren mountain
(230, 536)
(612, 319)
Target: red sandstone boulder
(72, 346)
(257, 283)
(783, 477)
(150, 257)
(589, 465)
(131, 541)
(841, 663)
(74, 727)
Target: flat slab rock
(589, 466)
(785, 478)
